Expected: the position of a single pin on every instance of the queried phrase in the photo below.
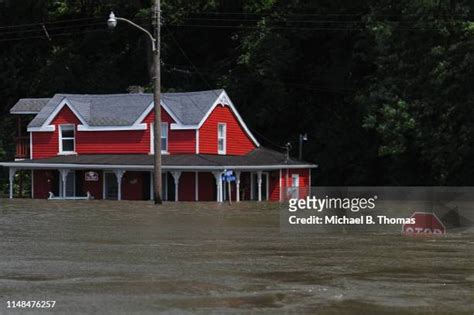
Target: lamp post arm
(153, 40)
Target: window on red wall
(221, 138)
(164, 138)
(67, 141)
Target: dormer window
(221, 138)
(67, 140)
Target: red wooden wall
(42, 183)
(207, 187)
(179, 141)
(46, 144)
(274, 186)
(133, 185)
(304, 181)
(187, 186)
(238, 142)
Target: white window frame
(222, 137)
(152, 138)
(61, 151)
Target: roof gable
(124, 110)
(127, 111)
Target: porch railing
(22, 148)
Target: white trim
(60, 134)
(152, 138)
(224, 99)
(197, 141)
(222, 137)
(112, 128)
(63, 103)
(151, 107)
(42, 129)
(46, 126)
(31, 145)
(183, 127)
(32, 165)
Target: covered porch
(122, 184)
(261, 175)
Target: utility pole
(156, 77)
(157, 104)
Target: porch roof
(260, 158)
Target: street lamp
(112, 23)
(302, 138)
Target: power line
(52, 35)
(313, 21)
(189, 60)
(279, 14)
(47, 23)
(184, 70)
(54, 28)
(295, 28)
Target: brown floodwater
(132, 257)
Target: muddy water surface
(110, 257)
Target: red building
(102, 146)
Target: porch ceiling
(260, 158)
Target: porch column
(176, 176)
(152, 197)
(237, 186)
(11, 177)
(63, 174)
(119, 176)
(218, 177)
(259, 183)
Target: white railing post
(259, 183)
(119, 176)
(63, 174)
(11, 177)
(218, 177)
(176, 176)
(237, 186)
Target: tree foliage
(382, 87)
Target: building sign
(91, 176)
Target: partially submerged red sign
(425, 223)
